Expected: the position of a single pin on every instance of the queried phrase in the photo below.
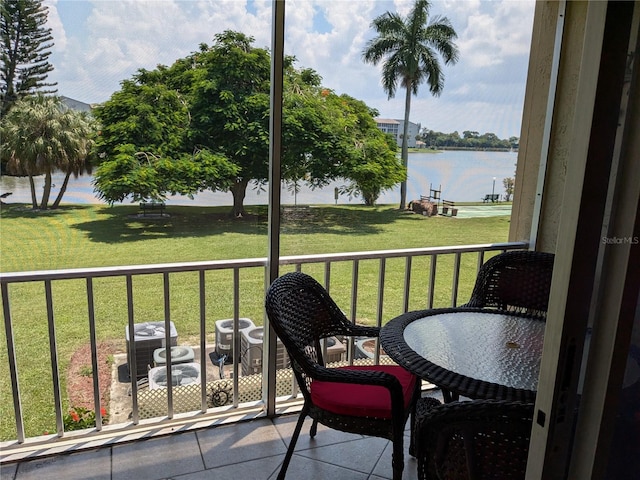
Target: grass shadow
(26, 211)
(337, 220)
(122, 223)
(125, 224)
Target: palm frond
(409, 47)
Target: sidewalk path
(494, 210)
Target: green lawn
(90, 236)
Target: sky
(100, 43)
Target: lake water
(463, 176)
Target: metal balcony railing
(187, 298)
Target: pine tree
(25, 49)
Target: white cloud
(335, 54)
(54, 22)
(490, 38)
(99, 43)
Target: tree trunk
(32, 187)
(405, 145)
(46, 192)
(63, 189)
(239, 190)
(370, 200)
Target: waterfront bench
(491, 197)
(152, 206)
(449, 208)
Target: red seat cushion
(362, 400)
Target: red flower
(74, 416)
(103, 411)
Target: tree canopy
(471, 140)
(213, 107)
(26, 46)
(143, 150)
(408, 49)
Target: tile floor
(249, 450)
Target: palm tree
(410, 47)
(78, 141)
(40, 135)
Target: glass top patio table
(483, 354)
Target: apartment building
(395, 127)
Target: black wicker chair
(517, 280)
(369, 400)
(475, 440)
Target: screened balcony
(576, 195)
(222, 391)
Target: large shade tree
(230, 106)
(328, 137)
(39, 136)
(410, 49)
(216, 102)
(143, 150)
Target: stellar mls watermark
(620, 240)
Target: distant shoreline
(467, 149)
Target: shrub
(79, 418)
